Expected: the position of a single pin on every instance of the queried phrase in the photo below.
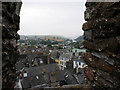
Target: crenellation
(101, 32)
(10, 26)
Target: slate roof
(37, 72)
(37, 81)
(69, 76)
(66, 55)
(78, 60)
(19, 63)
(39, 60)
(38, 78)
(69, 64)
(23, 56)
(70, 79)
(31, 57)
(18, 66)
(81, 79)
(32, 71)
(28, 82)
(54, 54)
(80, 76)
(60, 75)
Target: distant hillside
(43, 37)
(79, 38)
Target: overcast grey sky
(52, 17)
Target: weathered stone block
(10, 26)
(89, 73)
(88, 45)
(88, 14)
(90, 4)
(102, 41)
(91, 61)
(104, 66)
(105, 76)
(102, 45)
(109, 13)
(87, 26)
(108, 4)
(88, 35)
(104, 83)
(103, 56)
(103, 28)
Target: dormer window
(25, 74)
(24, 71)
(79, 63)
(41, 61)
(37, 77)
(66, 76)
(75, 50)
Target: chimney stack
(43, 71)
(48, 59)
(77, 68)
(25, 74)
(53, 79)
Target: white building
(79, 63)
(63, 59)
(77, 51)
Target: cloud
(63, 18)
(54, 1)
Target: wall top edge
(103, 0)
(10, 1)
(68, 1)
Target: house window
(76, 62)
(60, 62)
(64, 64)
(66, 76)
(41, 61)
(73, 54)
(75, 50)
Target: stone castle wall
(10, 26)
(102, 40)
